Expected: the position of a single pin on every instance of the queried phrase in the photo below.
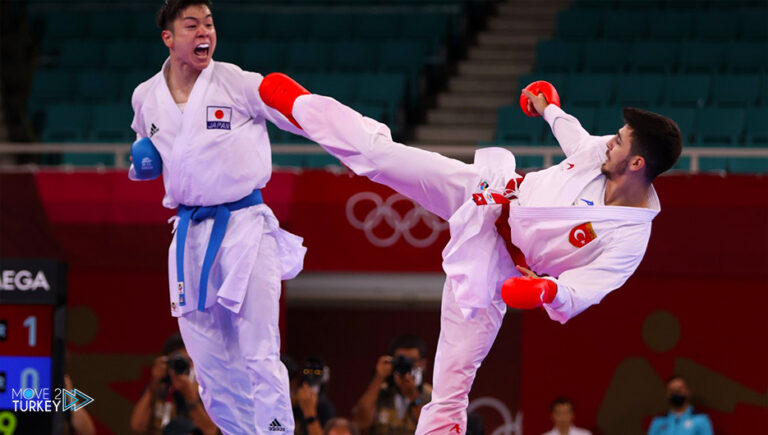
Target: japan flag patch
(218, 117)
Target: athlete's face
(193, 37)
(618, 154)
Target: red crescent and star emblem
(582, 234)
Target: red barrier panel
(695, 306)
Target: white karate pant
(462, 347)
(243, 384)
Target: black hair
(560, 401)
(171, 9)
(656, 138)
(173, 343)
(408, 341)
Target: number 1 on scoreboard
(31, 323)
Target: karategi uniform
(216, 156)
(557, 220)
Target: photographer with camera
(311, 407)
(171, 403)
(393, 400)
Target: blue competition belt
(220, 214)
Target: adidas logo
(275, 426)
(153, 130)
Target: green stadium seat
(605, 56)
(112, 123)
(590, 89)
(331, 27)
(716, 26)
(640, 4)
(558, 56)
(578, 24)
(66, 122)
(158, 53)
(608, 120)
(53, 86)
(684, 117)
(265, 56)
(762, 93)
(718, 126)
(670, 26)
(430, 28)
(384, 89)
(355, 56)
(653, 57)
(343, 87)
(690, 90)
(98, 86)
(756, 127)
(516, 128)
(372, 111)
(228, 51)
(79, 54)
(701, 56)
(639, 90)
(126, 55)
(143, 26)
(625, 25)
(241, 25)
(103, 25)
(593, 4)
(65, 25)
(309, 56)
(736, 90)
(753, 25)
(286, 26)
(379, 27)
(746, 57)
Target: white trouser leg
(243, 384)
(259, 343)
(462, 346)
(224, 390)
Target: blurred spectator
(562, 417)
(340, 426)
(311, 407)
(680, 419)
(171, 403)
(78, 422)
(392, 402)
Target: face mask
(677, 400)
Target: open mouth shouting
(202, 50)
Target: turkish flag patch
(582, 234)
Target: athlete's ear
(636, 163)
(167, 36)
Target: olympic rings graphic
(402, 225)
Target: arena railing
(10, 151)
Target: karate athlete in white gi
(228, 256)
(583, 223)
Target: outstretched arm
(437, 183)
(568, 131)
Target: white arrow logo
(75, 399)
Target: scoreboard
(32, 340)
